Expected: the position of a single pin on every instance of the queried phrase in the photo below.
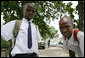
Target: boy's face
(66, 28)
(30, 11)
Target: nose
(31, 13)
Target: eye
(33, 11)
(67, 27)
(28, 10)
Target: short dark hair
(67, 17)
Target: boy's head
(66, 26)
(29, 11)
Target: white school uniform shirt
(21, 40)
(73, 45)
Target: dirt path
(49, 52)
(53, 52)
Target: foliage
(45, 11)
(4, 44)
(13, 10)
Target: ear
(73, 26)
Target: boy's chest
(24, 27)
(71, 44)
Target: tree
(81, 15)
(13, 10)
(53, 32)
(45, 11)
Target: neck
(27, 19)
(69, 36)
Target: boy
(26, 44)
(67, 29)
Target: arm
(7, 31)
(81, 42)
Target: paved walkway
(53, 52)
(49, 52)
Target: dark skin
(30, 12)
(66, 26)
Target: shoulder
(80, 33)
(11, 23)
(35, 25)
(80, 36)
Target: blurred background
(48, 14)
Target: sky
(54, 23)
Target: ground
(53, 52)
(50, 52)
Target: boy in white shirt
(74, 46)
(27, 39)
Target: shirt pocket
(23, 30)
(34, 29)
(34, 32)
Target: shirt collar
(26, 21)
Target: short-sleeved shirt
(21, 40)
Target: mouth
(65, 34)
(30, 17)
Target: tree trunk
(81, 15)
